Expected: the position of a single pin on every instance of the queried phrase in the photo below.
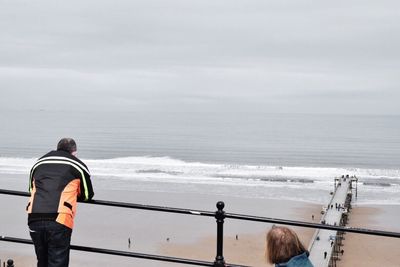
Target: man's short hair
(67, 144)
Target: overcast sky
(219, 55)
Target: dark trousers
(52, 241)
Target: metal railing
(220, 215)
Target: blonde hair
(282, 245)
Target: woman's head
(282, 244)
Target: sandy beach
(359, 250)
(193, 236)
(249, 248)
(372, 251)
(188, 236)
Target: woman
(284, 248)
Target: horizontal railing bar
(14, 193)
(124, 253)
(153, 208)
(127, 205)
(312, 225)
(229, 215)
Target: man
(57, 181)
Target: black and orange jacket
(57, 181)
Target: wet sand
(193, 236)
(372, 251)
(249, 248)
(110, 228)
(359, 250)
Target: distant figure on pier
(129, 242)
(237, 237)
(342, 251)
(285, 249)
(325, 254)
(312, 217)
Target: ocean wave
(265, 178)
(263, 181)
(159, 171)
(381, 184)
(147, 166)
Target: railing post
(220, 216)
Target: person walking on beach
(57, 181)
(284, 248)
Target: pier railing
(220, 215)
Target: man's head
(68, 145)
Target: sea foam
(136, 167)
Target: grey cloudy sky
(273, 56)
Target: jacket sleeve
(86, 187)
(31, 179)
(30, 186)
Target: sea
(243, 154)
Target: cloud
(211, 55)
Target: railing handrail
(228, 215)
(123, 253)
(126, 205)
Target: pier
(326, 246)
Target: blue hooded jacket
(297, 261)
